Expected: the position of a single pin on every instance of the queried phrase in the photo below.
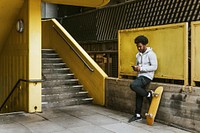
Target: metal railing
(20, 80)
(103, 24)
(86, 64)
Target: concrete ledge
(180, 105)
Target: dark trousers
(139, 85)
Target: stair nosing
(54, 64)
(57, 68)
(74, 79)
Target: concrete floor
(79, 119)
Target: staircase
(60, 87)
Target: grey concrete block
(176, 107)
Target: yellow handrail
(86, 64)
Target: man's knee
(133, 86)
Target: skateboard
(156, 97)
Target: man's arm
(153, 64)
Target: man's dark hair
(141, 39)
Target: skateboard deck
(150, 116)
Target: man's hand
(136, 68)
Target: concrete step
(53, 65)
(54, 76)
(63, 96)
(50, 55)
(55, 70)
(48, 51)
(49, 83)
(52, 60)
(68, 102)
(61, 89)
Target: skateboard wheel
(155, 94)
(150, 115)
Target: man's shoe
(135, 118)
(150, 96)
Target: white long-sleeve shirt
(147, 62)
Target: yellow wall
(195, 52)
(169, 43)
(93, 82)
(20, 58)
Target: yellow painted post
(195, 54)
(34, 27)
